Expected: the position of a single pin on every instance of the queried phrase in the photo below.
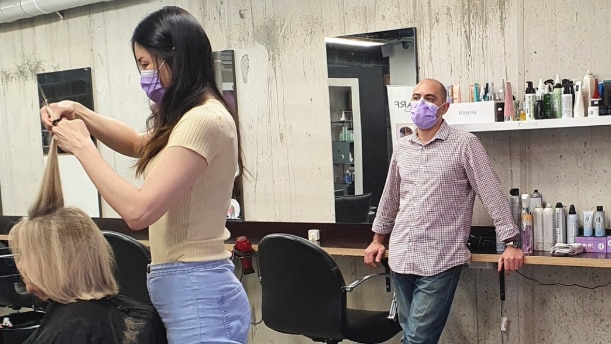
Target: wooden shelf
(590, 260)
(536, 124)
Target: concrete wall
(283, 102)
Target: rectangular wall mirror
(360, 68)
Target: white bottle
(578, 108)
(535, 198)
(588, 85)
(572, 225)
(548, 227)
(538, 228)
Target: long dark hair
(173, 35)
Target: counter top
(339, 239)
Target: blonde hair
(60, 249)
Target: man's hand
(374, 253)
(512, 259)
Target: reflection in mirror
(360, 67)
(224, 70)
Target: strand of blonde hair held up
(60, 250)
(51, 196)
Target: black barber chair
(132, 259)
(304, 294)
(352, 208)
(14, 296)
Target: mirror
(224, 70)
(360, 69)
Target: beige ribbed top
(193, 229)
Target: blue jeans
(200, 302)
(423, 304)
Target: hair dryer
(243, 250)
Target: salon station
(322, 90)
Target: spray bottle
(548, 227)
(599, 222)
(526, 232)
(572, 225)
(535, 199)
(548, 106)
(538, 228)
(560, 224)
(578, 108)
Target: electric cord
(502, 337)
(563, 284)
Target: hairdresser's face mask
(424, 114)
(149, 80)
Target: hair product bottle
(578, 108)
(587, 87)
(557, 98)
(599, 222)
(539, 110)
(516, 208)
(509, 110)
(560, 224)
(572, 225)
(548, 227)
(535, 198)
(567, 100)
(529, 101)
(538, 228)
(526, 232)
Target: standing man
(427, 207)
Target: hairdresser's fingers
(71, 135)
(45, 118)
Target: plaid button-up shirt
(427, 203)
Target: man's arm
(487, 186)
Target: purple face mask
(424, 114)
(149, 80)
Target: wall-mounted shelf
(536, 124)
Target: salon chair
(132, 259)
(14, 296)
(304, 293)
(353, 208)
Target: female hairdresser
(189, 157)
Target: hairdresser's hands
(65, 109)
(512, 259)
(374, 253)
(72, 136)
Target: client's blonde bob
(60, 249)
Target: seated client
(65, 260)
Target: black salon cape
(100, 322)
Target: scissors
(45, 102)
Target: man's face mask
(424, 114)
(149, 80)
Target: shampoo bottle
(599, 222)
(538, 228)
(560, 224)
(548, 227)
(572, 225)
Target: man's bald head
(439, 88)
